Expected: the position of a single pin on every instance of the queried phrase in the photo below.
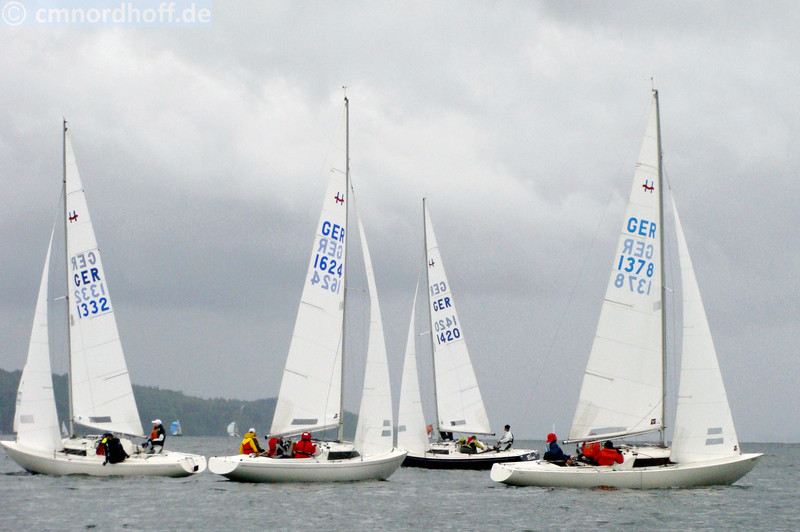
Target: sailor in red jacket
(608, 455)
(589, 452)
(304, 448)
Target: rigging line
(621, 174)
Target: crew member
(250, 444)
(553, 452)
(505, 443)
(113, 449)
(277, 447)
(157, 437)
(305, 448)
(608, 455)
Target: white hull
(165, 464)
(544, 474)
(246, 468)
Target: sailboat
(459, 404)
(231, 429)
(310, 396)
(100, 391)
(623, 387)
(175, 428)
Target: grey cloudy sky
(202, 152)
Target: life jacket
(157, 436)
(248, 446)
(304, 449)
(590, 450)
(276, 447)
(607, 457)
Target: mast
(663, 431)
(66, 262)
(426, 266)
(347, 237)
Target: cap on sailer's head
(156, 422)
(551, 438)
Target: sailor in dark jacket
(553, 452)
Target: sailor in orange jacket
(589, 452)
(608, 455)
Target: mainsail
(458, 399)
(310, 394)
(622, 391)
(102, 396)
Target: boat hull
(708, 473)
(165, 464)
(249, 468)
(480, 461)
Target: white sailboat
(231, 429)
(459, 405)
(310, 397)
(623, 387)
(100, 391)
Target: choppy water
(412, 499)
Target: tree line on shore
(198, 416)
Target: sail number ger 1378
(636, 257)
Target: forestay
(102, 396)
(35, 419)
(622, 390)
(458, 399)
(703, 423)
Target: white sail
(35, 418)
(102, 396)
(622, 387)
(310, 394)
(374, 431)
(411, 431)
(232, 429)
(703, 423)
(458, 399)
